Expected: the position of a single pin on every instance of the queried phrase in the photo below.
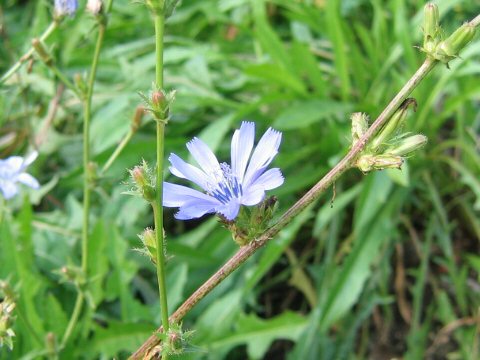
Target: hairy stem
(25, 57)
(159, 19)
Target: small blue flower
(12, 172)
(226, 187)
(65, 7)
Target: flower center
(225, 185)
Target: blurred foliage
(387, 267)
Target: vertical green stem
(87, 106)
(86, 147)
(159, 19)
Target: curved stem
(245, 252)
(73, 320)
(25, 57)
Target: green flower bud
(367, 163)
(408, 145)
(251, 222)
(92, 171)
(42, 52)
(137, 118)
(80, 83)
(393, 125)
(450, 48)
(431, 27)
(359, 126)
(149, 242)
(142, 180)
(159, 103)
(6, 318)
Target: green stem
(162, 288)
(51, 28)
(87, 104)
(61, 76)
(86, 148)
(159, 19)
(117, 152)
(73, 319)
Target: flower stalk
(25, 57)
(87, 106)
(157, 9)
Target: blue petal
(270, 179)
(177, 195)
(184, 170)
(204, 156)
(30, 158)
(12, 165)
(253, 196)
(28, 180)
(194, 209)
(229, 210)
(263, 155)
(255, 193)
(8, 188)
(242, 144)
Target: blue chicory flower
(65, 7)
(226, 187)
(12, 172)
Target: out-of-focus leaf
(258, 334)
(304, 114)
(117, 337)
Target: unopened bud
(51, 343)
(42, 52)
(359, 126)
(138, 174)
(409, 145)
(6, 318)
(92, 171)
(80, 83)
(431, 27)
(367, 163)
(393, 125)
(158, 98)
(450, 48)
(140, 177)
(137, 118)
(148, 239)
(94, 6)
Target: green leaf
(118, 337)
(98, 261)
(258, 334)
(275, 249)
(278, 75)
(304, 114)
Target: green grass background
(390, 270)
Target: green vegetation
(383, 265)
